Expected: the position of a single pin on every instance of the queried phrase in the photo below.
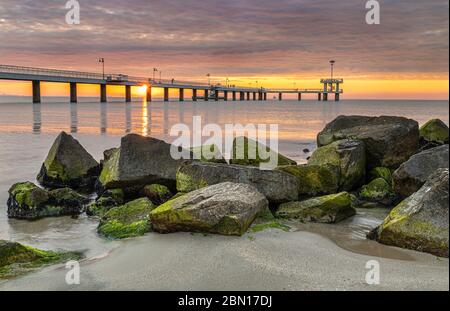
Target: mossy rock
(108, 199)
(347, 157)
(16, 259)
(380, 172)
(326, 209)
(68, 164)
(378, 190)
(28, 201)
(314, 179)
(435, 130)
(128, 220)
(226, 208)
(420, 222)
(156, 193)
(208, 153)
(269, 225)
(248, 152)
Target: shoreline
(270, 260)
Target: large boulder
(348, 157)
(138, 162)
(16, 258)
(327, 209)
(125, 221)
(28, 201)
(421, 221)
(434, 131)
(249, 152)
(277, 186)
(389, 140)
(68, 164)
(412, 174)
(314, 179)
(226, 208)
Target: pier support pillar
(319, 96)
(216, 95)
(260, 96)
(149, 94)
(225, 95)
(194, 95)
(128, 93)
(242, 96)
(248, 95)
(206, 95)
(280, 96)
(336, 97)
(265, 96)
(325, 97)
(299, 97)
(254, 95)
(181, 95)
(73, 92)
(36, 91)
(166, 94)
(234, 95)
(103, 98)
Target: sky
(279, 43)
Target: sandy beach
(267, 260)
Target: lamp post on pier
(332, 62)
(102, 61)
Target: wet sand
(267, 260)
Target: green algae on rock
(208, 153)
(314, 179)
(68, 164)
(380, 172)
(420, 222)
(435, 130)
(269, 225)
(226, 208)
(156, 193)
(326, 209)
(249, 152)
(109, 199)
(16, 259)
(348, 158)
(128, 220)
(28, 201)
(378, 190)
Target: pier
(200, 91)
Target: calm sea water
(27, 132)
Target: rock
(378, 190)
(247, 152)
(348, 158)
(277, 186)
(412, 174)
(208, 153)
(226, 208)
(108, 200)
(16, 258)
(327, 209)
(434, 131)
(68, 164)
(306, 150)
(139, 161)
(389, 140)
(125, 221)
(107, 154)
(421, 221)
(380, 172)
(314, 179)
(28, 201)
(158, 194)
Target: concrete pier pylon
(128, 93)
(103, 98)
(181, 95)
(149, 94)
(280, 96)
(206, 95)
(36, 85)
(73, 92)
(166, 94)
(194, 95)
(299, 97)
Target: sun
(142, 90)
